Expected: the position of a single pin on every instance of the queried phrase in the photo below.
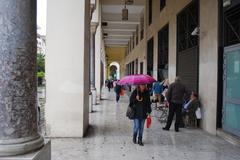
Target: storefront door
(231, 97)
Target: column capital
(94, 26)
(92, 8)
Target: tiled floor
(109, 138)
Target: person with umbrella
(140, 103)
(118, 90)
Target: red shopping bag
(149, 121)
(122, 92)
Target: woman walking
(141, 105)
(118, 90)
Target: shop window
(130, 44)
(188, 21)
(137, 33)
(163, 50)
(141, 68)
(162, 4)
(150, 47)
(142, 27)
(232, 26)
(132, 64)
(133, 41)
(136, 63)
(150, 12)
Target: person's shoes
(134, 139)
(165, 129)
(140, 143)
(176, 130)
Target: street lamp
(125, 12)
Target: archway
(114, 70)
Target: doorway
(231, 70)
(188, 46)
(231, 100)
(150, 57)
(163, 42)
(141, 68)
(114, 71)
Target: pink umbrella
(136, 79)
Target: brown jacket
(176, 93)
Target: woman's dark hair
(138, 88)
(195, 94)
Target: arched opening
(114, 71)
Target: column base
(42, 154)
(94, 96)
(90, 103)
(22, 146)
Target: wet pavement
(110, 138)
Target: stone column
(208, 59)
(18, 82)
(92, 61)
(67, 68)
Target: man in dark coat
(141, 104)
(175, 98)
(109, 85)
(118, 90)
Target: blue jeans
(138, 127)
(117, 97)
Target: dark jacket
(176, 93)
(192, 108)
(141, 108)
(118, 89)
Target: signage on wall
(236, 66)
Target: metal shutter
(187, 68)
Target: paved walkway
(110, 138)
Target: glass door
(231, 97)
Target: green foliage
(40, 62)
(40, 74)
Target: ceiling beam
(119, 35)
(119, 30)
(124, 43)
(123, 22)
(115, 45)
(116, 39)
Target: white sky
(41, 16)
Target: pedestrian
(141, 104)
(106, 82)
(165, 84)
(175, 98)
(190, 110)
(157, 90)
(109, 85)
(118, 90)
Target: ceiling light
(125, 13)
(105, 35)
(227, 3)
(104, 24)
(129, 2)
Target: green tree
(40, 62)
(40, 68)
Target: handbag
(122, 92)
(149, 122)
(130, 113)
(198, 113)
